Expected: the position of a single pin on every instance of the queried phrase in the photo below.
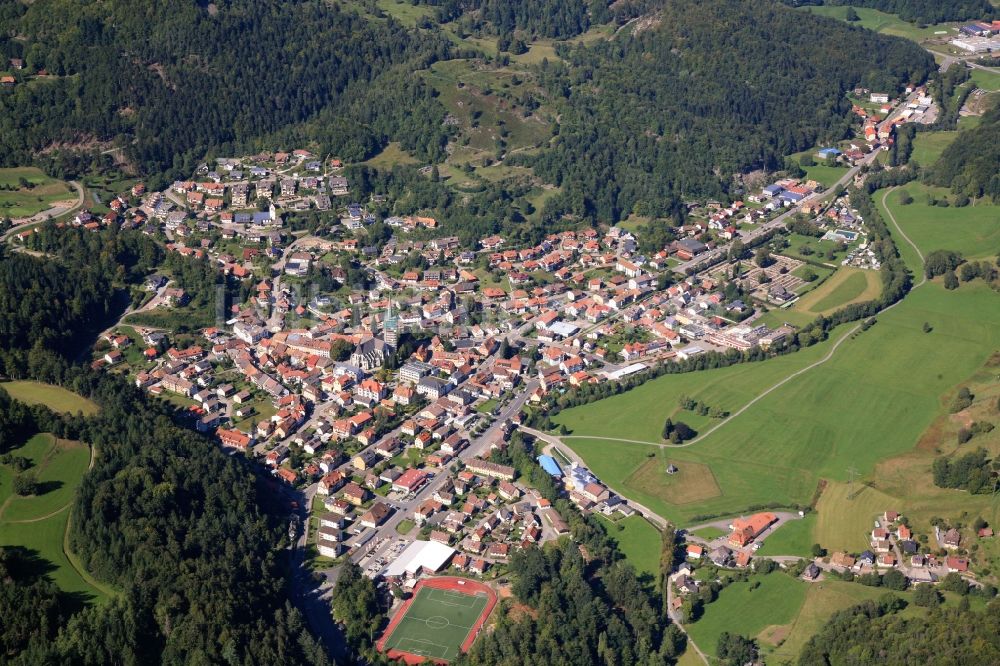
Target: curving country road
(742, 409)
(827, 357)
(53, 212)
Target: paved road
(552, 442)
(477, 447)
(719, 254)
(55, 211)
(724, 523)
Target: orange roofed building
(746, 530)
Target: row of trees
(916, 11)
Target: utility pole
(852, 474)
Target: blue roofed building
(772, 191)
(550, 465)
(791, 197)
(826, 153)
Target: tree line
(916, 11)
(969, 164)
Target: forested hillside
(918, 11)
(179, 529)
(970, 165)
(703, 90)
(46, 305)
(184, 78)
(717, 88)
(558, 19)
(873, 633)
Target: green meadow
(55, 398)
(793, 538)
(39, 522)
(973, 230)
(928, 146)
(638, 540)
(888, 24)
(748, 609)
(870, 402)
(26, 201)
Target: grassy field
(392, 155)
(55, 398)
(24, 202)
(824, 175)
(928, 146)
(793, 538)
(845, 516)
(59, 464)
(973, 231)
(710, 532)
(887, 24)
(889, 380)
(690, 658)
(640, 413)
(847, 285)
(405, 12)
(821, 600)
(436, 623)
(39, 523)
(486, 406)
(743, 609)
(638, 540)
(986, 80)
(691, 483)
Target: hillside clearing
(54, 397)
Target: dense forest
(179, 529)
(873, 633)
(673, 112)
(917, 11)
(185, 78)
(31, 606)
(185, 534)
(970, 165)
(556, 19)
(48, 305)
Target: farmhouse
(746, 530)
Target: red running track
(455, 584)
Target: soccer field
(437, 623)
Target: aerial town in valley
(378, 384)
(497, 332)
